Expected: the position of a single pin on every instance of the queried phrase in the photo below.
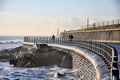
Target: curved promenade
(89, 65)
(99, 59)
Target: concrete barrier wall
(103, 35)
(82, 66)
(88, 65)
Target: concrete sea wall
(86, 64)
(89, 66)
(112, 35)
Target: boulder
(42, 56)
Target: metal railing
(105, 51)
(106, 23)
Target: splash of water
(39, 73)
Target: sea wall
(86, 64)
(89, 66)
(111, 35)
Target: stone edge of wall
(30, 44)
(99, 65)
(101, 68)
(92, 30)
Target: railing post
(115, 69)
(118, 21)
(47, 40)
(62, 40)
(40, 39)
(27, 38)
(57, 40)
(112, 22)
(103, 23)
(34, 39)
(37, 39)
(30, 38)
(24, 39)
(107, 23)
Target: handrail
(103, 25)
(102, 49)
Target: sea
(9, 72)
(10, 42)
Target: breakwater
(81, 62)
(96, 35)
(108, 31)
(104, 51)
(65, 57)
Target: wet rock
(59, 74)
(43, 56)
(7, 55)
(40, 46)
(13, 61)
(29, 56)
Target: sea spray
(38, 73)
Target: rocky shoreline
(29, 56)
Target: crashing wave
(10, 41)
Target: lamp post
(87, 22)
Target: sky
(43, 17)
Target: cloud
(17, 24)
(28, 25)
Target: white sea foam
(38, 73)
(10, 41)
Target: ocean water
(10, 42)
(9, 72)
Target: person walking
(70, 37)
(53, 38)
